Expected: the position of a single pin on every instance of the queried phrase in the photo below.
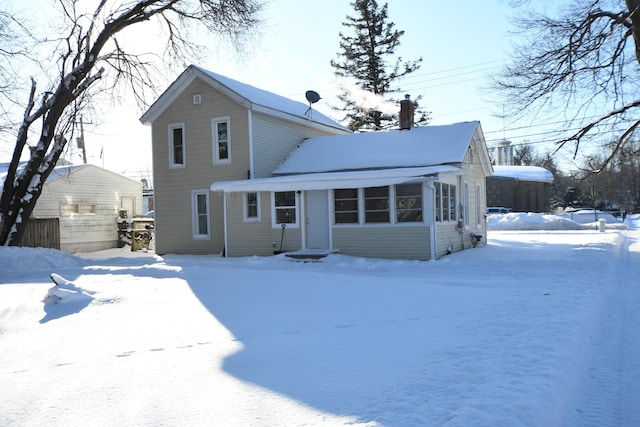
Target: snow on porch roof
(418, 147)
(333, 180)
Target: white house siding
(448, 236)
(258, 237)
(88, 185)
(391, 242)
(273, 140)
(173, 187)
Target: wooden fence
(42, 233)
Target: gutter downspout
(225, 200)
(303, 219)
(432, 225)
(250, 126)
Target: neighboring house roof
(61, 171)
(250, 97)
(420, 146)
(369, 159)
(525, 173)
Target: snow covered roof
(368, 159)
(418, 147)
(59, 171)
(250, 97)
(525, 173)
(333, 180)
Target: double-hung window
(251, 207)
(446, 202)
(221, 140)
(200, 209)
(478, 206)
(177, 156)
(467, 205)
(285, 207)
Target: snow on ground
(536, 328)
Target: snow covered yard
(537, 328)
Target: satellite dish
(312, 96)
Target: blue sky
(460, 46)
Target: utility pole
(80, 142)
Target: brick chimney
(406, 113)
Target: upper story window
(285, 205)
(176, 146)
(221, 140)
(376, 204)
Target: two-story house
(271, 179)
(208, 128)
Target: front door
(317, 219)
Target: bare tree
(87, 52)
(585, 59)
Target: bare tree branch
(86, 52)
(586, 60)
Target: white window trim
(466, 209)
(455, 195)
(194, 215)
(214, 140)
(77, 209)
(479, 209)
(172, 163)
(245, 211)
(392, 192)
(392, 211)
(274, 224)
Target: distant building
(519, 188)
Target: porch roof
(333, 180)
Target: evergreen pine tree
(363, 59)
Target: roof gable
(248, 96)
(418, 147)
(65, 170)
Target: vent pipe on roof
(406, 113)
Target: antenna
(313, 97)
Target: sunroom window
(346, 206)
(409, 202)
(376, 204)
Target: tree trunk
(634, 11)
(20, 194)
